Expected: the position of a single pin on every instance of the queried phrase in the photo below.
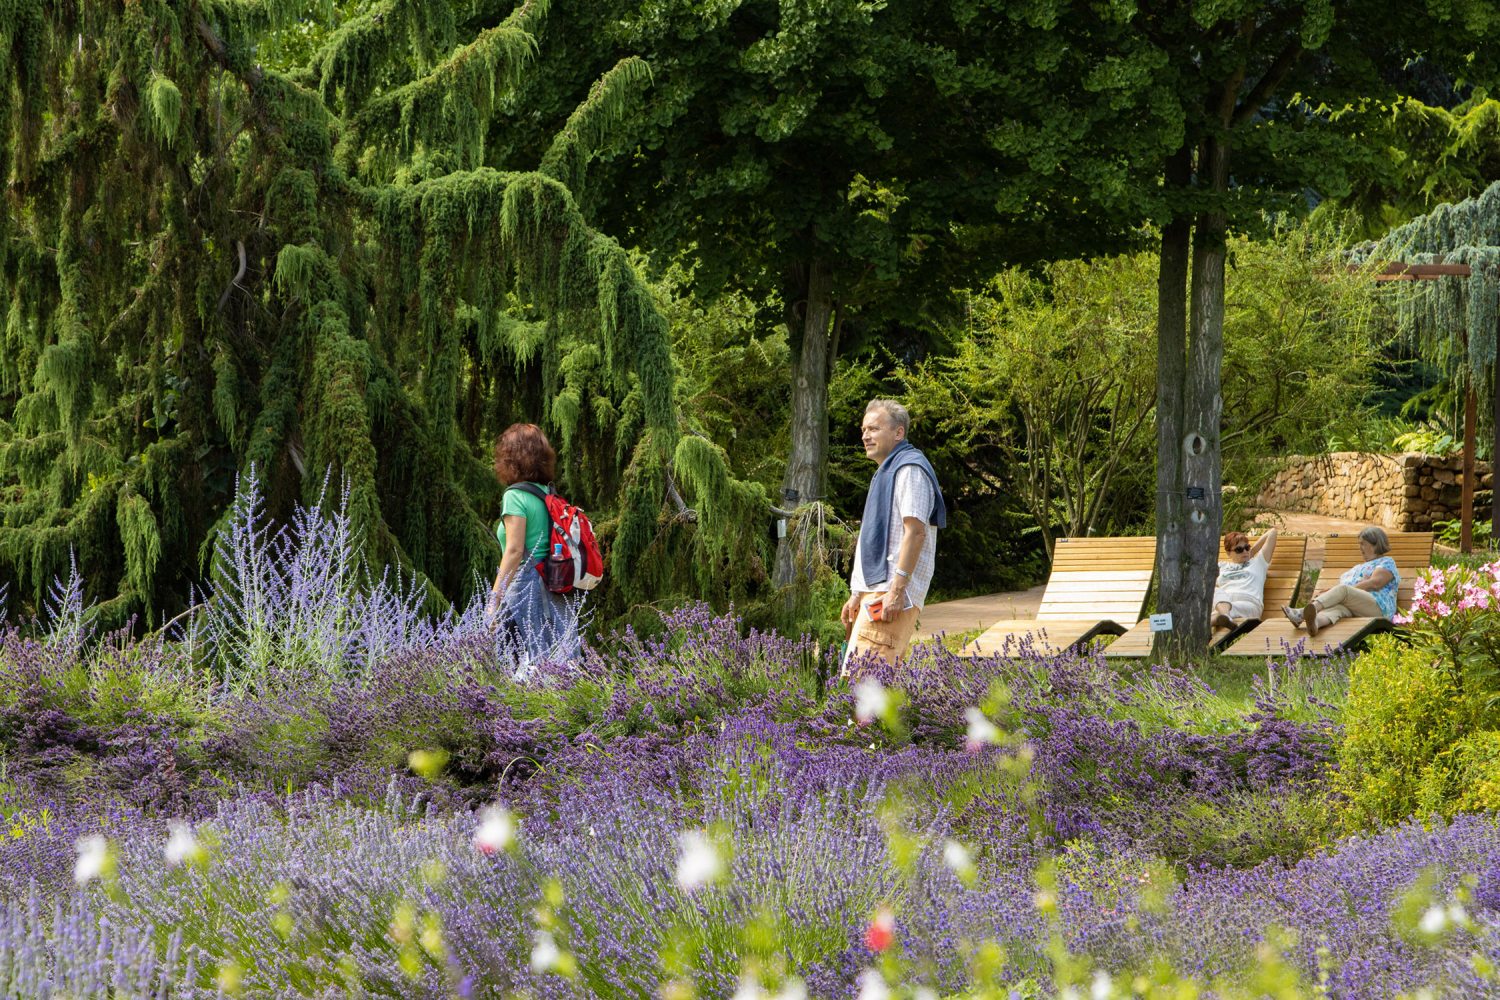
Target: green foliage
(1245, 828)
(264, 234)
(1452, 321)
(1050, 395)
(1402, 713)
(1422, 154)
(1450, 532)
(1465, 777)
(1050, 387)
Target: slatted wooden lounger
(1412, 551)
(1282, 577)
(1096, 583)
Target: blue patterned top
(1385, 596)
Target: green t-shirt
(538, 523)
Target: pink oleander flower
(1401, 618)
(1443, 609)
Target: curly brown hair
(524, 455)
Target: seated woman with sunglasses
(1366, 591)
(1240, 590)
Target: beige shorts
(1240, 606)
(887, 640)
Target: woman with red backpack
(538, 625)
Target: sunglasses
(1240, 548)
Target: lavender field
(309, 788)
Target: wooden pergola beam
(1398, 271)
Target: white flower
(792, 989)
(872, 986)
(748, 989)
(93, 858)
(544, 953)
(982, 732)
(497, 830)
(1434, 920)
(957, 857)
(871, 700)
(1103, 987)
(699, 863)
(182, 846)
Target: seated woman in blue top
(1367, 591)
(536, 623)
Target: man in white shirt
(895, 555)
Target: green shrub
(1465, 777)
(1400, 714)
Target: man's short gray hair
(1377, 539)
(892, 409)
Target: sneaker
(1292, 615)
(1221, 621)
(1310, 618)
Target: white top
(1246, 579)
(911, 496)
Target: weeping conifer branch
(1453, 321)
(450, 107)
(589, 126)
(381, 328)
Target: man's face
(880, 435)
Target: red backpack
(574, 561)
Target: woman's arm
(510, 561)
(1265, 543)
(1376, 580)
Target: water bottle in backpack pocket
(557, 571)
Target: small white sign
(781, 527)
(1161, 623)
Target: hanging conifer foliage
(1453, 321)
(211, 266)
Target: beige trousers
(887, 640)
(1345, 601)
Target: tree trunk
(1188, 539)
(1171, 371)
(1495, 455)
(1466, 505)
(807, 464)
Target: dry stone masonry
(1406, 492)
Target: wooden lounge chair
(1282, 577)
(1096, 583)
(1412, 551)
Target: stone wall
(1405, 492)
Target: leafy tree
(1049, 394)
(213, 266)
(855, 161)
(1238, 102)
(1426, 155)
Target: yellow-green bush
(1403, 711)
(1465, 777)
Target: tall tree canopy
(213, 266)
(1243, 99)
(853, 161)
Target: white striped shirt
(911, 496)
